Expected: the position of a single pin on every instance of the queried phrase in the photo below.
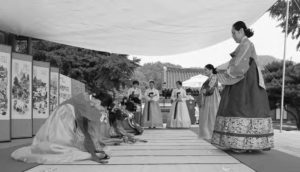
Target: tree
(100, 71)
(152, 71)
(273, 78)
(278, 11)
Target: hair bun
(215, 71)
(249, 32)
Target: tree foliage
(100, 71)
(273, 78)
(278, 11)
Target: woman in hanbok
(134, 94)
(210, 103)
(179, 117)
(191, 105)
(117, 122)
(152, 117)
(243, 120)
(71, 133)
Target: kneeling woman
(71, 133)
(179, 117)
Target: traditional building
(172, 74)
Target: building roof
(172, 74)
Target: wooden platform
(166, 150)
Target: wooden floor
(166, 150)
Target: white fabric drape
(154, 27)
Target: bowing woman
(71, 133)
(179, 117)
(243, 122)
(152, 117)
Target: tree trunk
(298, 120)
(295, 115)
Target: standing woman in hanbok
(152, 117)
(210, 104)
(243, 121)
(179, 117)
(135, 95)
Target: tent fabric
(156, 27)
(195, 81)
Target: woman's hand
(98, 159)
(125, 139)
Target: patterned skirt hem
(243, 133)
(245, 143)
(243, 126)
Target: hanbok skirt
(152, 116)
(138, 115)
(243, 120)
(191, 104)
(179, 116)
(207, 114)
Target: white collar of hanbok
(179, 89)
(135, 88)
(244, 39)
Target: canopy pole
(283, 70)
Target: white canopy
(195, 81)
(139, 27)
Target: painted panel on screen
(5, 76)
(21, 97)
(40, 89)
(54, 88)
(65, 91)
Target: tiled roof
(171, 75)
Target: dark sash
(148, 113)
(175, 112)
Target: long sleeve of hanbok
(238, 65)
(135, 92)
(213, 81)
(183, 95)
(173, 95)
(140, 94)
(156, 96)
(147, 98)
(129, 92)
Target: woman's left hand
(99, 159)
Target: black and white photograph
(157, 85)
